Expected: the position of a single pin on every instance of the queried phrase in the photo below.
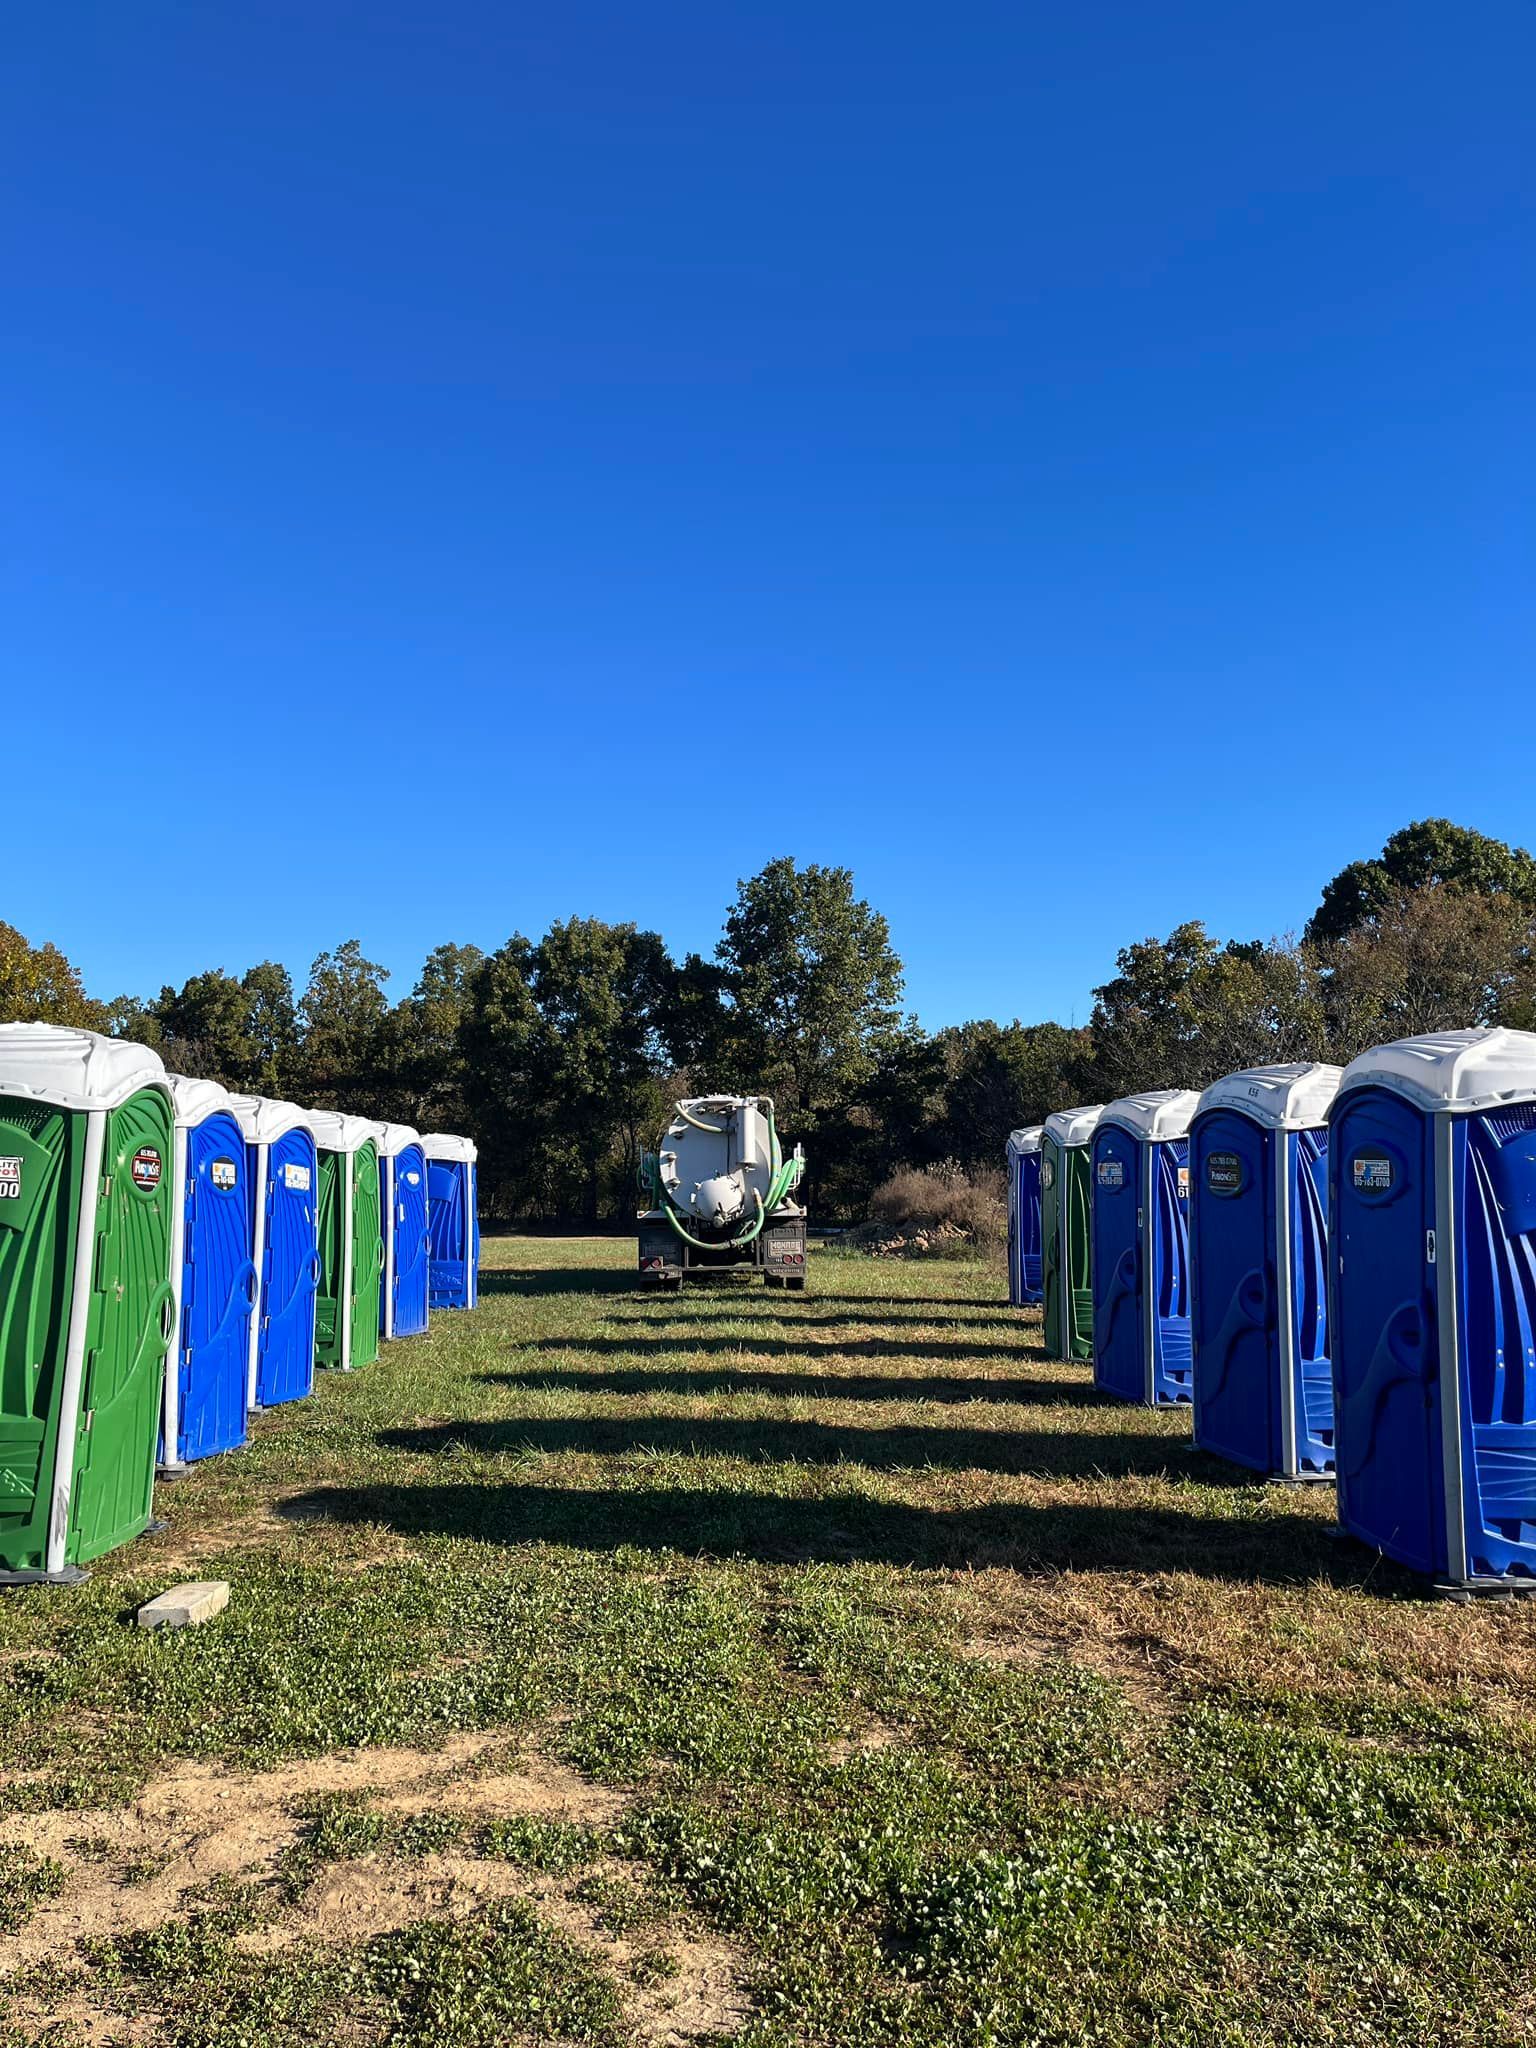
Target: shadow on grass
(680, 1344)
(997, 1301)
(780, 1312)
(1275, 1549)
(556, 1280)
(952, 1389)
(1067, 1454)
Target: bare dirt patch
(539, 1786)
(73, 2016)
(155, 1861)
(156, 1858)
(874, 1736)
(375, 1894)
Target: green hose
(784, 1176)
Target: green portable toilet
(351, 1242)
(1066, 1214)
(86, 1194)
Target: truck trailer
(720, 1196)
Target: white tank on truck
(721, 1195)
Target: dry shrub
(943, 1201)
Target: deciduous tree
(39, 986)
(812, 994)
(1431, 852)
(341, 1014)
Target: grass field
(770, 1669)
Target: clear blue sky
(468, 464)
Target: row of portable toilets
(173, 1258)
(1334, 1269)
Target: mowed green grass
(949, 1702)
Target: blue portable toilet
(213, 1279)
(280, 1357)
(1024, 1288)
(1140, 1194)
(453, 1223)
(1258, 1253)
(403, 1306)
(1432, 1312)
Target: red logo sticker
(146, 1169)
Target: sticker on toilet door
(146, 1168)
(1224, 1173)
(1371, 1172)
(10, 1180)
(296, 1177)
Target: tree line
(561, 1055)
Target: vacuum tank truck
(721, 1196)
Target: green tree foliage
(271, 1029)
(565, 1064)
(131, 1017)
(39, 986)
(1002, 1077)
(422, 1049)
(596, 1054)
(242, 1030)
(1432, 959)
(1141, 1022)
(204, 1028)
(1184, 1010)
(1433, 852)
(561, 1055)
(811, 997)
(498, 1039)
(697, 1024)
(342, 1015)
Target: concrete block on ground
(186, 1606)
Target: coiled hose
(785, 1177)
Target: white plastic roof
(1073, 1126)
(1288, 1098)
(447, 1145)
(1027, 1140)
(394, 1138)
(1451, 1069)
(195, 1100)
(74, 1069)
(336, 1132)
(264, 1119)
(1159, 1114)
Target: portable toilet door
(1066, 1248)
(86, 1193)
(1024, 1217)
(280, 1360)
(452, 1225)
(403, 1202)
(213, 1277)
(1258, 1253)
(1141, 1347)
(1432, 1259)
(348, 1239)
(367, 1252)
